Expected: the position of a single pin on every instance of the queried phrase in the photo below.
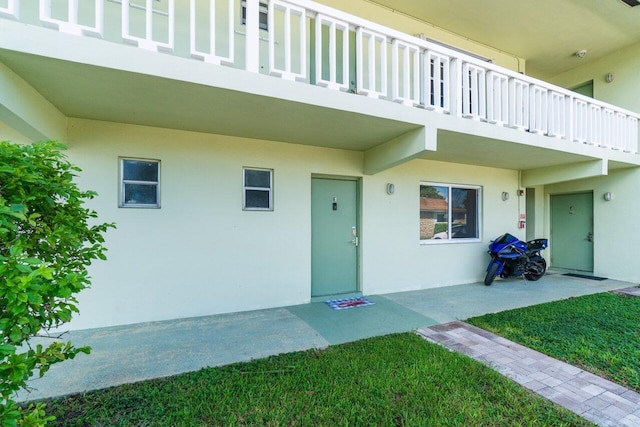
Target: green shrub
(440, 227)
(46, 245)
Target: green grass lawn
(600, 333)
(394, 380)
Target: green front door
(334, 236)
(572, 231)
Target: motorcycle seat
(537, 244)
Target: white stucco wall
(394, 260)
(201, 254)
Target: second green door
(572, 231)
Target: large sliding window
(449, 212)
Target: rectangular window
(257, 189)
(449, 212)
(264, 20)
(140, 183)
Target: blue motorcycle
(513, 257)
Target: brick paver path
(598, 400)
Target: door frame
(358, 201)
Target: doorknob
(355, 241)
(589, 237)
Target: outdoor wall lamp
(505, 196)
(391, 188)
(608, 196)
(581, 53)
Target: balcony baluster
(10, 11)
(405, 73)
(290, 14)
(148, 41)
(212, 56)
(335, 29)
(371, 50)
(72, 24)
(436, 93)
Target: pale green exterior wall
(624, 89)
(394, 259)
(615, 232)
(201, 254)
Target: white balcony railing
(312, 43)
(9, 9)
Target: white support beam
(26, 111)
(399, 150)
(563, 173)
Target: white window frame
(245, 188)
(121, 199)
(450, 187)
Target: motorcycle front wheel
(536, 270)
(491, 274)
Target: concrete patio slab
(131, 353)
(340, 326)
(458, 302)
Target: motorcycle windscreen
(507, 238)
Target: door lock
(589, 237)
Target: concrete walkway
(598, 400)
(131, 353)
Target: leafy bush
(46, 245)
(440, 227)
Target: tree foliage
(430, 192)
(47, 241)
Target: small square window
(139, 183)
(257, 189)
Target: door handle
(589, 237)
(355, 241)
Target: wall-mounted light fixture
(610, 77)
(608, 196)
(505, 196)
(391, 188)
(581, 53)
